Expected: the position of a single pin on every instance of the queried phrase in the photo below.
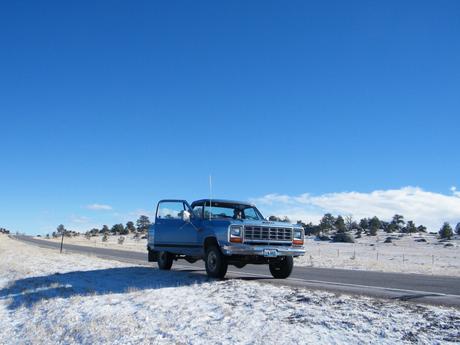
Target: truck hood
(265, 223)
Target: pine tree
(374, 226)
(340, 224)
(143, 223)
(130, 227)
(105, 230)
(364, 224)
(391, 227)
(60, 229)
(410, 227)
(398, 220)
(311, 229)
(327, 222)
(93, 232)
(421, 228)
(446, 231)
(117, 229)
(457, 228)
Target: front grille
(265, 233)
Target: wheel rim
(212, 261)
(162, 257)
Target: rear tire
(165, 260)
(152, 255)
(283, 268)
(215, 262)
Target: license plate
(270, 253)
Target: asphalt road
(436, 290)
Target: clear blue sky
(123, 103)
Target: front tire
(165, 260)
(283, 268)
(216, 265)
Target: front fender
(217, 230)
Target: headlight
(297, 237)
(236, 233)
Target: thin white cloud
(80, 223)
(80, 219)
(99, 207)
(454, 191)
(424, 207)
(142, 212)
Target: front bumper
(246, 249)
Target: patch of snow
(404, 254)
(47, 297)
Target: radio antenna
(210, 196)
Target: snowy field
(405, 254)
(49, 298)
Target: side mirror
(186, 216)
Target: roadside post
(62, 241)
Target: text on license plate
(270, 253)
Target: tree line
(141, 227)
(369, 226)
(4, 231)
(327, 225)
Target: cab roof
(219, 201)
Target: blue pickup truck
(222, 233)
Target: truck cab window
(170, 210)
(250, 213)
(198, 211)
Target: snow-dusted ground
(404, 254)
(48, 298)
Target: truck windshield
(233, 211)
